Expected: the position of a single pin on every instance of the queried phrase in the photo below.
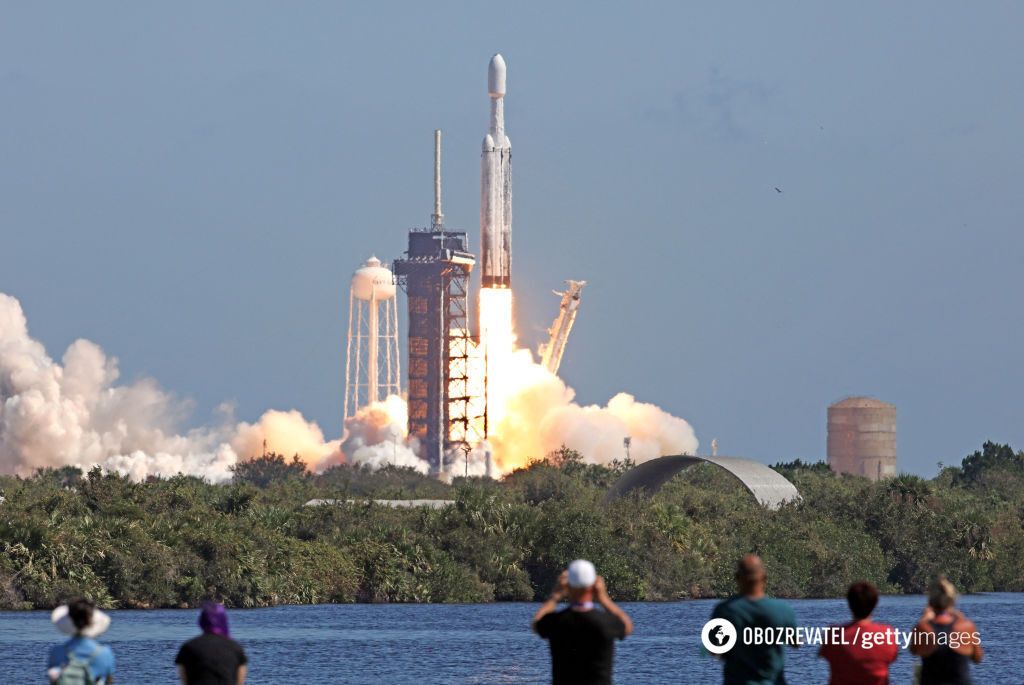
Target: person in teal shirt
(754, 664)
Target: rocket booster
(496, 188)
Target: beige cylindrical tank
(862, 437)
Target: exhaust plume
(377, 436)
(74, 413)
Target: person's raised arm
(601, 595)
(559, 593)
(966, 625)
(920, 644)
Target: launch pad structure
(435, 275)
(449, 369)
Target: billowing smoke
(74, 413)
(376, 436)
(287, 433)
(540, 416)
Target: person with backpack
(212, 658)
(81, 660)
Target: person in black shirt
(213, 658)
(946, 640)
(582, 638)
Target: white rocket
(496, 188)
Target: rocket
(496, 188)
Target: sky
(775, 205)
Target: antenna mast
(437, 218)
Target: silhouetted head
(214, 619)
(80, 612)
(750, 575)
(941, 595)
(862, 598)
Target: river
(489, 643)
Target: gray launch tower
(435, 276)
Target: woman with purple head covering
(213, 658)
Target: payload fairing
(496, 188)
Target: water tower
(371, 360)
(862, 437)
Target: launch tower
(435, 275)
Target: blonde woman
(945, 639)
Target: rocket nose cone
(496, 76)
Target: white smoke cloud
(376, 437)
(74, 413)
(541, 415)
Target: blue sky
(191, 184)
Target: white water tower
(371, 360)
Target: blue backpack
(78, 671)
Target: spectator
(945, 639)
(581, 637)
(212, 658)
(863, 654)
(754, 664)
(81, 659)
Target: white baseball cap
(582, 574)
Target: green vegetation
(177, 541)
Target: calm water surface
(398, 644)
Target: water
(489, 643)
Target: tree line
(175, 542)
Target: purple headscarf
(214, 619)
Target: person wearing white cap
(581, 637)
(81, 659)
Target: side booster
(496, 188)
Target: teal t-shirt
(755, 664)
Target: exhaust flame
(497, 343)
(531, 412)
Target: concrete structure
(496, 188)
(862, 437)
(393, 503)
(372, 369)
(435, 274)
(768, 486)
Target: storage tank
(862, 437)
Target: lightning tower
(435, 274)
